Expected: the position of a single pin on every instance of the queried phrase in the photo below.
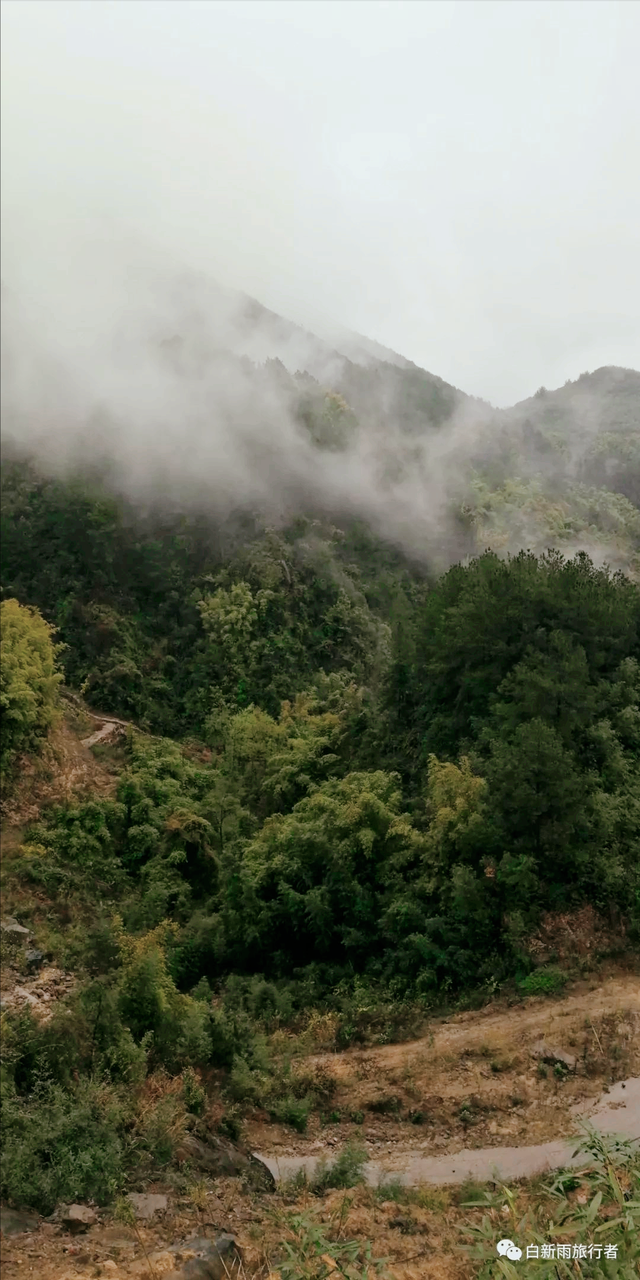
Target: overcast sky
(460, 181)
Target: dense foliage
(400, 773)
(348, 784)
(29, 680)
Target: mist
(164, 377)
(160, 174)
(181, 391)
(454, 181)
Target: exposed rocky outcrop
(221, 1159)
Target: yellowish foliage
(29, 679)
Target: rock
(9, 925)
(34, 958)
(78, 1217)
(23, 994)
(195, 1269)
(13, 1222)
(153, 1264)
(548, 1054)
(118, 1237)
(222, 1160)
(220, 1259)
(213, 1156)
(146, 1206)
(260, 1175)
(195, 1244)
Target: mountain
(561, 468)
(361, 350)
(198, 389)
(379, 384)
(597, 420)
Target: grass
(313, 1253)
(607, 1212)
(346, 1171)
(462, 1225)
(434, 1199)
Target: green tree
(481, 621)
(456, 812)
(314, 881)
(541, 807)
(29, 680)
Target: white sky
(460, 181)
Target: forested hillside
(365, 753)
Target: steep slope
(381, 386)
(596, 421)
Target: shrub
(230, 1123)
(177, 1027)
(232, 1036)
(543, 982)
(346, 1171)
(32, 1052)
(387, 1106)
(62, 1146)
(193, 1093)
(245, 1085)
(293, 1111)
(159, 1122)
(609, 1184)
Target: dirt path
(467, 1031)
(476, 1081)
(617, 1112)
(109, 727)
(64, 769)
(107, 723)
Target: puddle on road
(617, 1112)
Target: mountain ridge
(201, 389)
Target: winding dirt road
(498, 1086)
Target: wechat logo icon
(507, 1249)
